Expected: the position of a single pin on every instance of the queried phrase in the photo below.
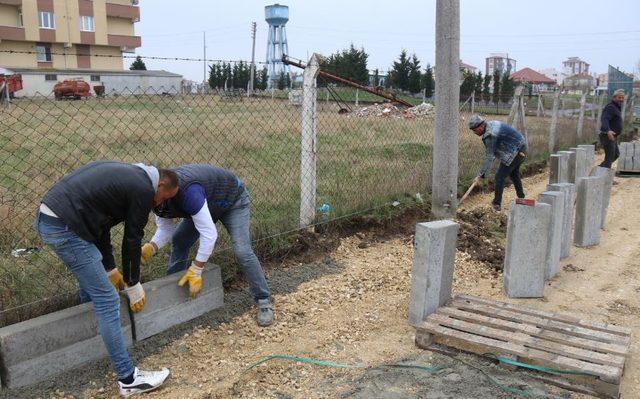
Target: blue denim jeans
(236, 221)
(85, 262)
(512, 171)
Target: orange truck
(13, 83)
(75, 89)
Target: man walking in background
(208, 194)
(611, 128)
(75, 219)
(509, 146)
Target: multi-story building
(554, 74)
(501, 62)
(575, 66)
(67, 34)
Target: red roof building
(528, 75)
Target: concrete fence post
(624, 107)
(554, 241)
(308, 145)
(357, 98)
(554, 122)
(473, 103)
(607, 174)
(583, 101)
(569, 191)
(444, 188)
(432, 272)
(588, 216)
(515, 107)
(523, 114)
(528, 229)
(600, 106)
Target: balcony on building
(122, 9)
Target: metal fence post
(554, 122)
(583, 101)
(444, 188)
(308, 145)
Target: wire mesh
(373, 156)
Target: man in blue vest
(208, 194)
(509, 146)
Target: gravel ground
(348, 304)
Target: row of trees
(406, 74)
(503, 86)
(237, 76)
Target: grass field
(362, 163)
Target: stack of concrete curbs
(35, 350)
(629, 160)
(572, 210)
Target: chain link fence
(369, 157)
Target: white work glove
(136, 297)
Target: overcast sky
(537, 33)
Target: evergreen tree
(478, 87)
(496, 86)
(399, 74)
(262, 80)
(349, 63)
(282, 81)
(138, 65)
(507, 87)
(213, 77)
(486, 87)
(468, 84)
(414, 75)
(429, 83)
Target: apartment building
(67, 34)
(575, 66)
(500, 62)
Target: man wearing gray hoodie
(75, 219)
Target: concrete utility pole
(204, 56)
(253, 58)
(444, 186)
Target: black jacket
(222, 189)
(611, 119)
(96, 197)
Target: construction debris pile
(391, 111)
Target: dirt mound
(482, 235)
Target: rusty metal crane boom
(391, 97)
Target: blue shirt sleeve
(490, 144)
(193, 198)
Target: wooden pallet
(553, 340)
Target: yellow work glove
(193, 276)
(136, 297)
(116, 279)
(146, 252)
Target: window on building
(20, 21)
(86, 24)
(43, 52)
(95, 78)
(50, 77)
(45, 20)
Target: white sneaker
(143, 381)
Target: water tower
(276, 16)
